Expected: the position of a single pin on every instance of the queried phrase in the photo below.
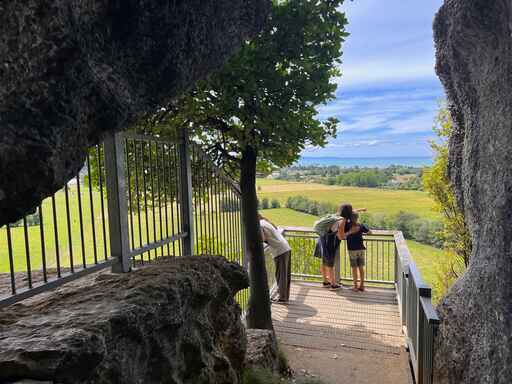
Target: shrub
(275, 203)
(265, 203)
(412, 226)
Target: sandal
(355, 289)
(362, 289)
(335, 287)
(326, 284)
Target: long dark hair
(267, 220)
(345, 210)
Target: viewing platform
(344, 336)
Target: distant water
(380, 162)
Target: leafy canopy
(267, 96)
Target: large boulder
(474, 62)
(172, 322)
(70, 70)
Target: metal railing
(67, 237)
(137, 198)
(388, 264)
(419, 317)
(380, 256)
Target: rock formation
(72, 70)
(172, 322)
(474, 62)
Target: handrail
(419, 317)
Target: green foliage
(455, 234)
(392, 177)
(413, 226)
(32, 220)
(264, 203)
(275, 204)
(267, 96)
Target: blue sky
(388, 94)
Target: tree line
(392, 177)
(413, 226)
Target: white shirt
(277, 243)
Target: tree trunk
(258, 314)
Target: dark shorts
(326, 249)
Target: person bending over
(281, 253)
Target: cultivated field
(383, 201)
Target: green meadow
(383, 201)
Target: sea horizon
(377, 161)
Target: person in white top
(281, 253)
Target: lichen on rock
(171, 322)
(72, 70)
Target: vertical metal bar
(217, 216)
(177, 184)
(151, 178)
(70, 237)
(27, 252)
(137, 195)
(56, 234)
(186, 194)
(102, 201)
(202, 216)
(159, 196)
(129, 187)
(43, 245)
(144, 191)
(117, 204)
(166, 186)
(173, 180)
(11, 259)
(195, 193)
(91, 205)
(211, 240)
(80, 219)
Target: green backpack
(324, 224)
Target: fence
(380, 256)
(419, 317)
(388, 264)
(136, 198)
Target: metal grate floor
(319, 318)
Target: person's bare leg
(325, 275)
(332, 278)
(354, 277)
(361, 274)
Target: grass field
(383, 201)
(95, 245)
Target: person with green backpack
(331, 230)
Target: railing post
(421, 332)
(337, 264)
(186, 204)
(114, 148)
